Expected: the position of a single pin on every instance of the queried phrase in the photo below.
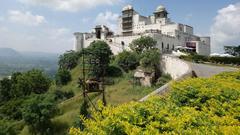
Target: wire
(92, 103)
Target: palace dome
(160, 8)
(128, 7)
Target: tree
(143, 43)
(33, 81)
(39, 81)
(127, 60)
(37, 113)
(68, 60)
(5, 89)
(62, 77)
(233, 50)
(12, 109)
(99, 54)
(150, 59)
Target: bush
(37, 113)
(194, 106)
(114, 71)
(6, 128)
(69, 60)
(142, 44)
(62, 95)
(12, 109)
(163, 79)
(225, 60)
(33, 81)
(127, 60)
(63, 76)
(212, 59)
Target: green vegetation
(63, 76)
(31, 103)
(127, 60)
(99, 55)
(150, 59)
(233, 50)
(212, 59)
(193, 106)
(68, 60)
(142, 44)
(20, 104)
(37, 113)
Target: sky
(48, 25)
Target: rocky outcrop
(145, 78)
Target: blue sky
(47, 25)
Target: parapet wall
(174, 66)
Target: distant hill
(14, 61)
(8, 52)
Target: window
(173, 47)
(162, 46)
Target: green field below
(122, 91)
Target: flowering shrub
(193, 106)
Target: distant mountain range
(15, 61)
(8, 52)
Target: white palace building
(131, 25)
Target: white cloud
(1, 18)
(108, 18)
(226, 27)
(26, 18)
(69, 5)
(86, 20)
(39, 39)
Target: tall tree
(99, 54)
(127, 60)
(68, 60)
(37, 113)
(5, 89)
(233, 50)
(33, 81)
(143, 43)
(63, 76)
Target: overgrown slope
(194, 106)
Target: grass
(122, 91)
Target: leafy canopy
(233, 50)
(127, 60)
(63, 76)
(68, 60)
(99, 55)
(37, 113)
(143, 43)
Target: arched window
(162, 46)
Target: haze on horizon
(48, 26)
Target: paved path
(203, 70)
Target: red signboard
(191, 44)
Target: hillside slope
(193, 106)
(122, 91)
